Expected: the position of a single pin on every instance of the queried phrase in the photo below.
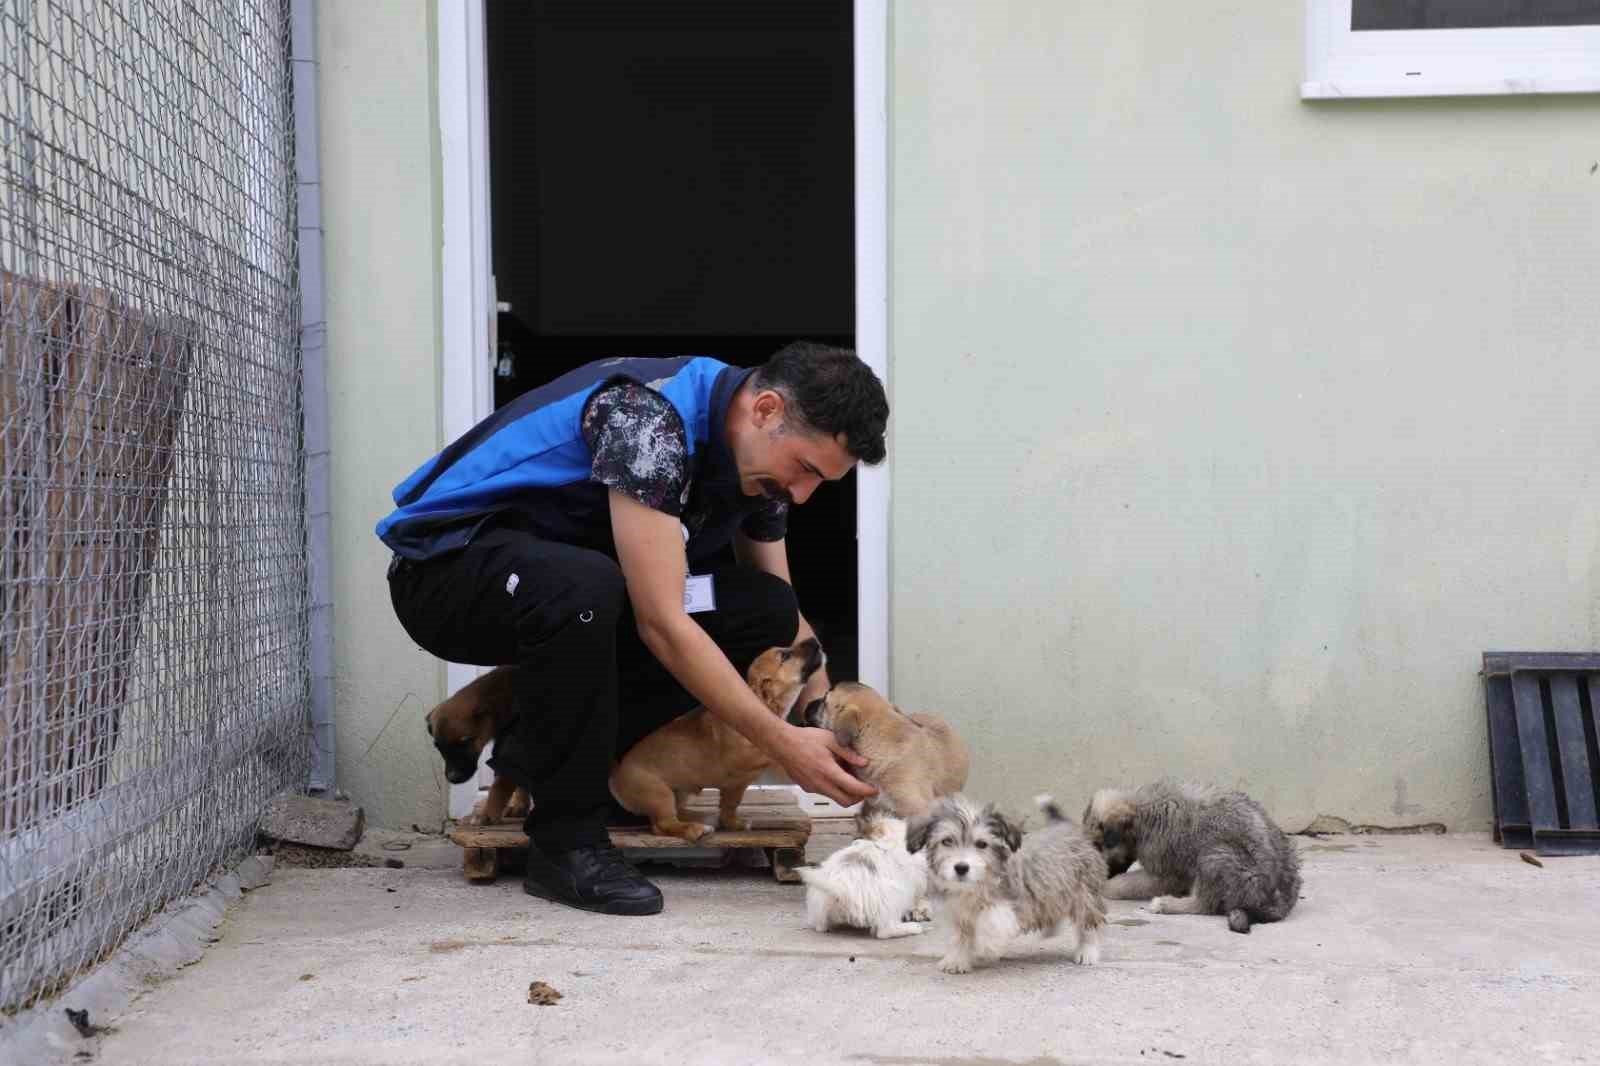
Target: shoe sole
(623, 908)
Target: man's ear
(769, 408)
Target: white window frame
(468, 307)
(1469, 62)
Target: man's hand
(811, 757)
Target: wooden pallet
(780, 836)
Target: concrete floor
(1404, 949)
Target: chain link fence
(154, 652)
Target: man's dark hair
(829, 390)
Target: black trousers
(589, 688)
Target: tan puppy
(699, 751)
(463, 725)
(914, 759)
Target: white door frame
(467, 308)
(468, 305)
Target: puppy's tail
(1047, 804)
(812, 876)
(1238, 920)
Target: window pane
(1470, 14)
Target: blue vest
(528, 465)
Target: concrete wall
(1248, 424)
(381, 210)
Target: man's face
(779, 462)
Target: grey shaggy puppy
(1200, 849)
(998, 885)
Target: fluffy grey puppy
(1200, 849)
(998, 886)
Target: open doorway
(677, 178)
(467, 303)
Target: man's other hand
(812, 759)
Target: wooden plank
(790, 833)
(1538, 778)
(1511, 825)
(1573, 750)
(32, 325)
(784, 862)
(1506, 662)
(480, 864)
(794, 836)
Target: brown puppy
(914, 759)
(463, 725)
(699, 751)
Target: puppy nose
(961, 869)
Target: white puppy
(873, 883)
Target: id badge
(698, 595)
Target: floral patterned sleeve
(639, 445)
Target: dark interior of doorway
(675, 177)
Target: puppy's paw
(1159, 905)
(474, 819)
(922, 912)
(517, 809)
(894, 930)
(697, 831)
(734, 824)
(956, 963)
(1087, 954)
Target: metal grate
(152, 522)
(1544, 760)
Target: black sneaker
(591, 879)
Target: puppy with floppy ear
(698, 750)
(1000, 885)
(463, 725)
(872, 883)
(1200, 849)
(913, 759)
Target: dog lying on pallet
(699, 751)
(463, 725)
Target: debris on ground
(323, 858)
(80, 1022)
(1332, 825)
(319, 823)
(1530, 858)
(542, 994)
(395, 864)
